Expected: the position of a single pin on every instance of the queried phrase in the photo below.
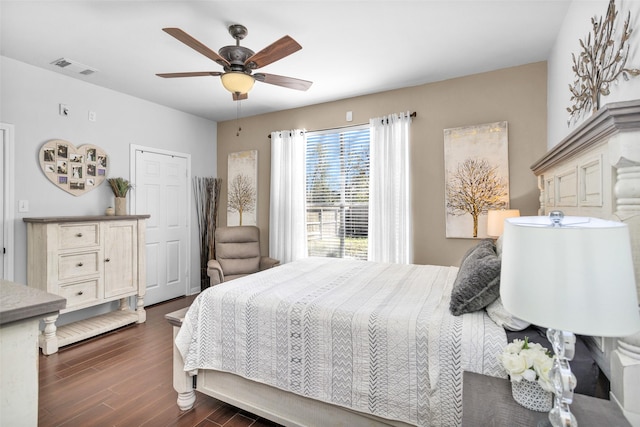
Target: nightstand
(487, 401)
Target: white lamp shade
(577, 277)
(237, 82)
(495, 220)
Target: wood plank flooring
(124, 378)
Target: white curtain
(390, 224)
(287, 216)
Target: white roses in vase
(529, 361)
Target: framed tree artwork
(242, 188)
(476, 177)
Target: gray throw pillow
(478, 281)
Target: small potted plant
(120, 188)
(528, 365)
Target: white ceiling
(349, 48)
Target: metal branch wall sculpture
(602, 60)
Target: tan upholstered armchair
(237, 254)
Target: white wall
(576, 26)
(29, 100)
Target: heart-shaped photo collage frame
(76, 170)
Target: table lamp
(572, 275)
(495, 220)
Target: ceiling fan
(239, 62)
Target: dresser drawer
(77, 265)
(79, 293)
(79, 235)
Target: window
(338, 192)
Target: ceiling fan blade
(239, 96)
(189, 74)
(275, 51)
(288, 82)
(196, 45)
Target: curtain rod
(413, 114)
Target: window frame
(343, 249)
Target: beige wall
(517, 95)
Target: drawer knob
(79, 235)
(107, 260)
(80, 293)
(80, 264)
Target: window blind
(338, 192)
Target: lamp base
(564, 381)
(556, 420)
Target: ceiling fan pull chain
(238, 112)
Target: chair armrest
(266, 262)
(214, 271)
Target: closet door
(161, 186)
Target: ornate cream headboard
(595, 171)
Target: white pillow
(502, 317)
(499, 247)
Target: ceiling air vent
(73, 66)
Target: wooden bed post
(625, 374)
(182, 381)
(543, 194)
(624, 155)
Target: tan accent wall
(517, 95)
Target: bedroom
(531, 97)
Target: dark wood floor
(124, 378)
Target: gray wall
(29, 101)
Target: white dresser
(89, 261)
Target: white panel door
(2, 201)
(7, 206)
(161, 186)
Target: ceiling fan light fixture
(239, 61)
(237, 82)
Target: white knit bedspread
(374, 337)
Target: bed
(379, 343)
(593, 172)
(371, 338)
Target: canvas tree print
(476, 177)
(242, 188)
